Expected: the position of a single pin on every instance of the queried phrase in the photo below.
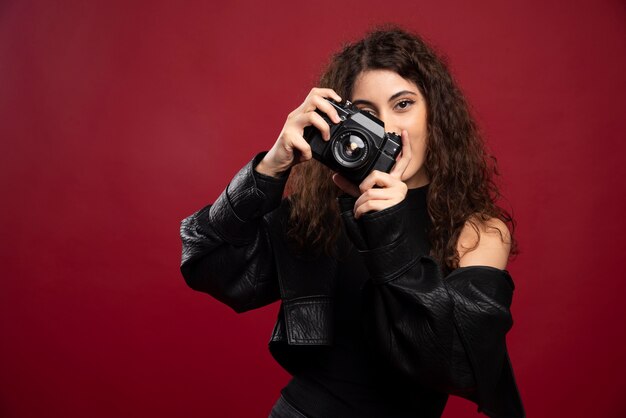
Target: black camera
(358, 144)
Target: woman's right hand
(291, 148)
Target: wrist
(266, 169)
(263, 168)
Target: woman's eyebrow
(392, 98)
(401, 93)
(364, 102)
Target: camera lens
(350, 149)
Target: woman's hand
(391, 189)
(291, 148)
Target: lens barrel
(351, 149)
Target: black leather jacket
(446, 333)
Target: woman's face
(400, 105)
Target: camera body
(358, 144)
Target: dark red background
(118, 119)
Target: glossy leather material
(446, 333)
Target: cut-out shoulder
(484, 243)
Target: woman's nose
(390, 124)
(392, 127)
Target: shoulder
(484, 243)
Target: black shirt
(347, 379)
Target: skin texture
(401, 106)
(492, 242)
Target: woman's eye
(404, 104)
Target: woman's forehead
(380, 85)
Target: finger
(404, 158)
(316, 120)
(324, 105)
(316, 97)
(345, 185)
(370, 206)
(297, 145)
(325, 92)
(375, 194)
(376, 178)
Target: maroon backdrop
(118, 119)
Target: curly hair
(460, 170)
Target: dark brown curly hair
(460, 170)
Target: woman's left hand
(391, 189)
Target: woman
(394, 291)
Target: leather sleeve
(446, 333)
(226, 250)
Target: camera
(358, 144)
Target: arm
(226, 249)
(446, 333)
(484, 243)
(226, 246)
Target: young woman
(394, 291)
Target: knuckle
(376, 175)
(290, 134)
(295, 113)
